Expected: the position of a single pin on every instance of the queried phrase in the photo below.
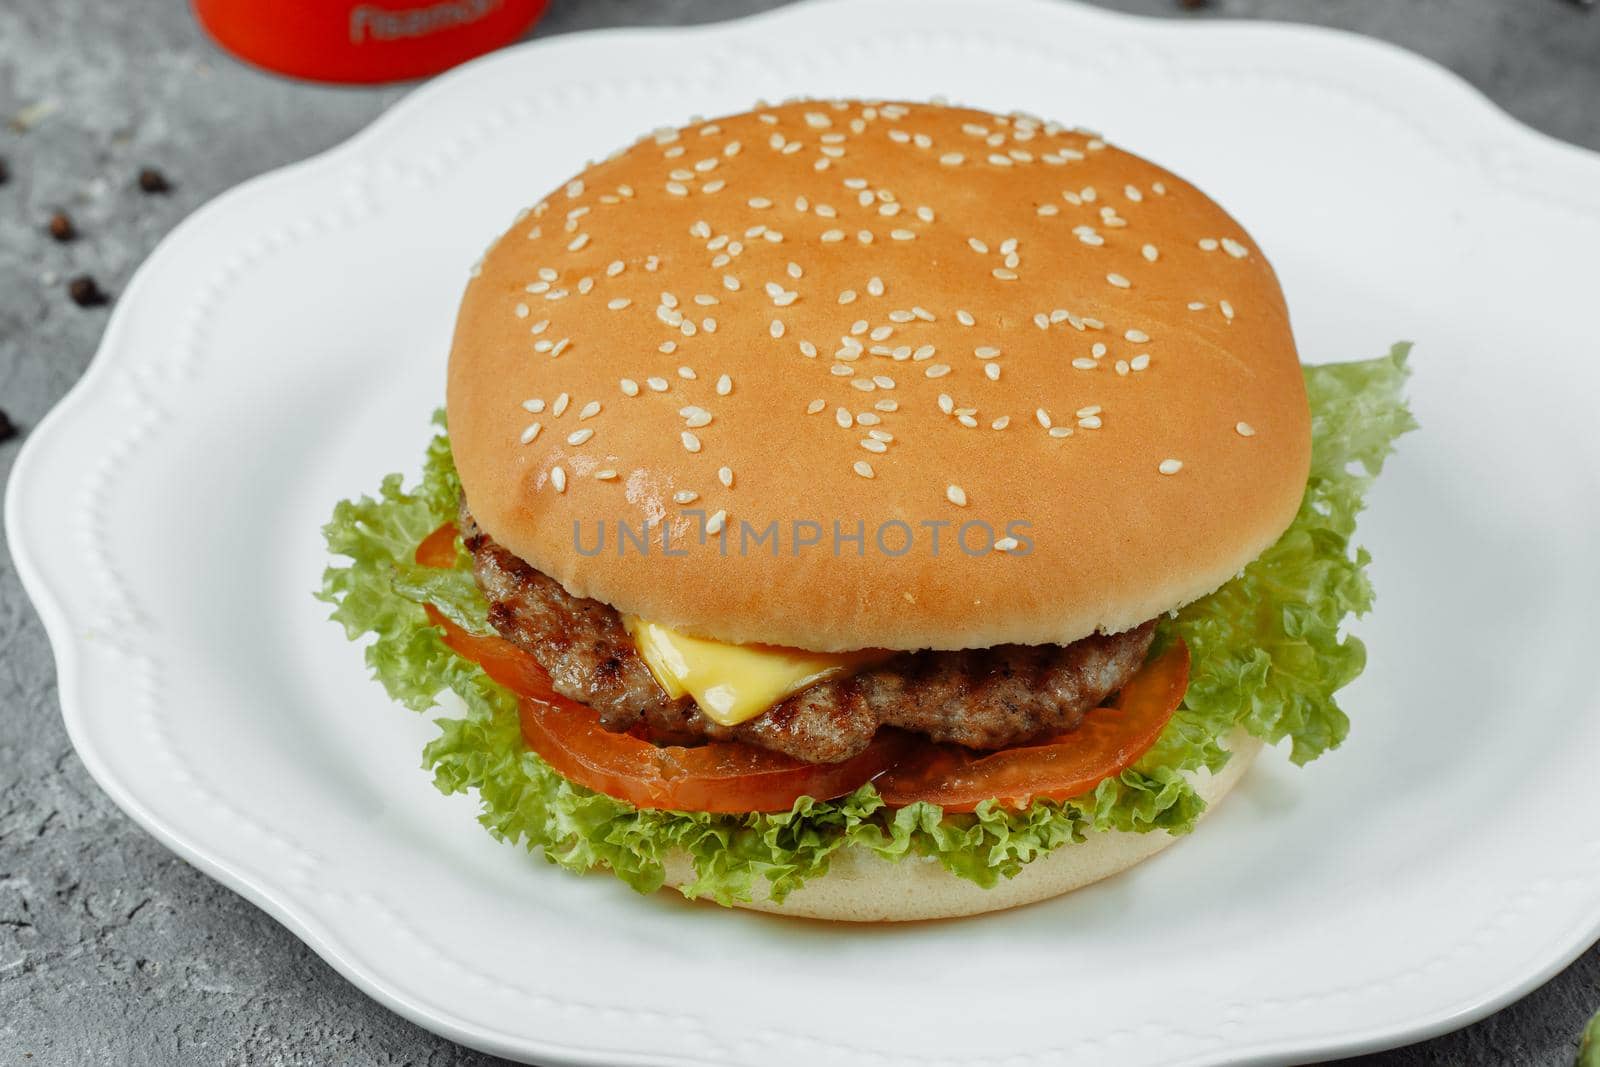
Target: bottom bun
(861, 886)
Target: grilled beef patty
(984, 698)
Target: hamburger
(871, 511)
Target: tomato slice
(736, 778)
(438, 549)
(1107, 742)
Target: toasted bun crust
(862, 887)
(691, 323)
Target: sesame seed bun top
(938, 328)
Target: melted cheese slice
(735, 683)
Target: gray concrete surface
(112, 951)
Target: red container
(362, 40)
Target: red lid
(360, 41)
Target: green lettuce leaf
(1268, 654)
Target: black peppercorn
(153, 181)
(8, 429)
(86, 292)
(61, 227)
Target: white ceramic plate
(284, 347)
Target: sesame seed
(875, 286)
(991, 371)
(577, 243)
(1138, 337)
(1006, 544)
(863, 468)
(1244, 429)
(578, 437)
(534, 405)
(605, 475)
(978, 246)
(937, 370)
(1083, 363)
(1197, 305)
(687, 373)
(697, 418)
(717, 521)
(730, 283)
(1208, 244)
(776, 329)
(560, 405)
(724, 385)
(658, 385)
(1005, 274)
(691, 443)
(1170, 466)
(1140, 362)
(808, 350)
(872, 444)
(618, 303)
(1150, 253)
(1091, 422)
(886, 404)
(952, 159)
(1234, 248)
(868, 418)
(1121, 367)
(903, 235)
(530, 433)
(521, 311)
(956, 495)
(539, 327)
(832, 236)
(1119, 281)
(590, 410)
(725, 476)
(1001, 423)
(666, 348)
(816, 406)
(1061, 431)
(558, 478)
(1227, 309)
(965, 318)
(847, 296)
(1043, 417)
(986, 352)
(685, 496)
